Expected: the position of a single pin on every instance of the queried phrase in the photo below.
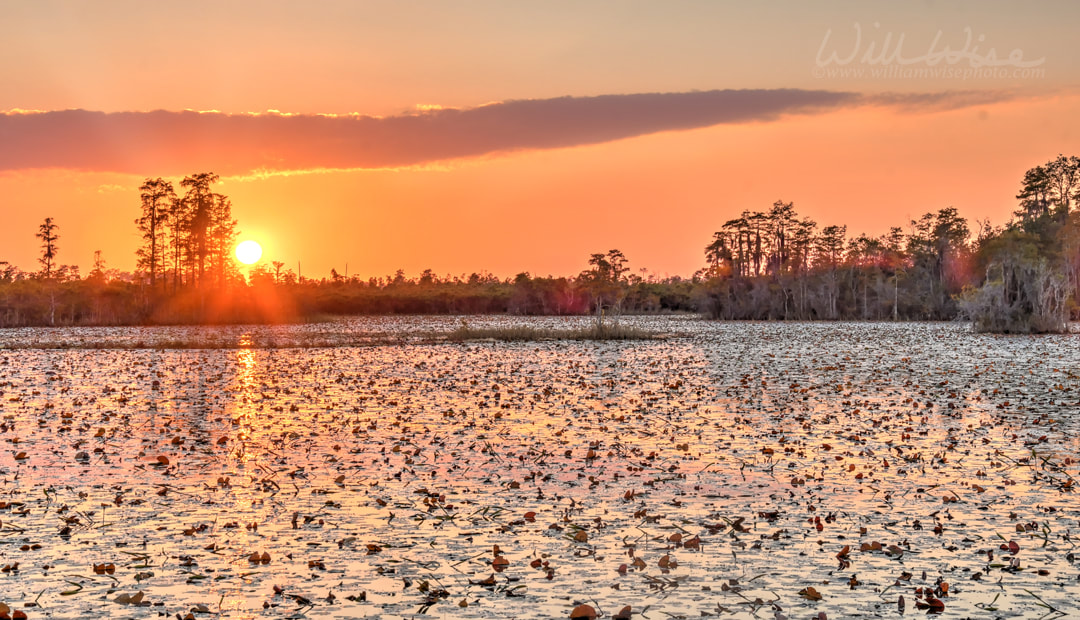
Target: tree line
(771, 264)
(1022, 277)
(774, 265)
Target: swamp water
(731, 470)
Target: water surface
(716, 473)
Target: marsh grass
(296, 341)
(331, 337)
(523, 333)
(320, 341)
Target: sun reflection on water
(245, 363)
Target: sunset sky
(514, 137)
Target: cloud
(941, 101)
(173, 143)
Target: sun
(248, 252)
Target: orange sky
(531, 186)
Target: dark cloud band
(172, 143)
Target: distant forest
(1021, 277)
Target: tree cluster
(1031, 267)
(187, 240)
(776, 265)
